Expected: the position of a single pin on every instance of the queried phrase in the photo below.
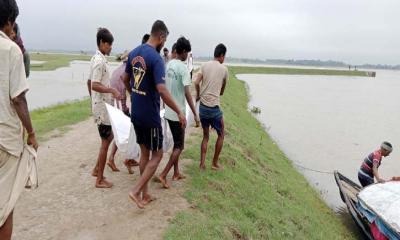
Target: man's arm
(126, 81)
(189, 99)
(223, 87)
(199, 78)
(21, 107)
(123, 96)
(169, 101)
(376, 173)
(98, 87)
(89, 86)
(224, 82)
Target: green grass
(259, 194)
(54, 61)
(59, 117)
(298, 71)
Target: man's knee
(178, 149)
(206, 135)
(154, 162)
(156, 156)
(6, 228)
(144, 152)
(221, 135)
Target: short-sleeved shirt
(368, 163)
(214, 74)
(117, 82)
(12, 83)
(177, 78)
(146, 70)
(99, 72)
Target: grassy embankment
(54, 61)
(59, 117)
(259, 194)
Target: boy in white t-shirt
(102, 93)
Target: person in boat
(369, 168)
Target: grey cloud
(357, 31)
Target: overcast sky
(354, 31)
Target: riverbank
(259, 194)
(298, 71)
(52, 61)
(58, 118)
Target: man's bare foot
(202, 167)
(112, 165)
(178, 177)
(148, 199)
(216, 167)
(128, 166)
(136, 199)
(103, 184)
(163, 182)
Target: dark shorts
(212, 116)
(105, 131)
(178, 134)
(151, 138)
(364, 180)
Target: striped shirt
(368, 163)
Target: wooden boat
(348, 192)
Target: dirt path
(67, 206)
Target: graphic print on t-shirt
(138, 70)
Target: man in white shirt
(14, 114)
(101, 94)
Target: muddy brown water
(64, 84)
(327, 123)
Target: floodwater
(327, 123)
(48, 88)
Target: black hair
(220, 50)
(387, 144)
(159, 28)
(173, 47)
(183, 45)
(165, 50)
(145, 38)
(104, 35)
(16, 30)
(8, 12)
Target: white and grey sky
(354, 31)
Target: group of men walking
(148, 79)
(144, 76)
